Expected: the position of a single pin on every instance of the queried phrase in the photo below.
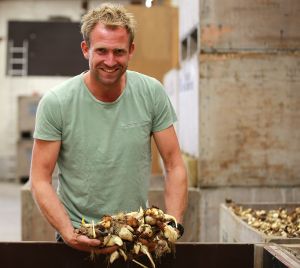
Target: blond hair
(111, 15)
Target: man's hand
(83, 243)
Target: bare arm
(44, 156)
(176, 178)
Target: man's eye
(101, 50)
(119, 51)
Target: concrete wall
(249, 25)
(249, 99)
(250, 117)
(249, 105)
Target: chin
(108, 81)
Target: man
(97, 126)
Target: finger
(94, 243)
(87, 241)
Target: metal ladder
(17, 56)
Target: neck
(103, 92)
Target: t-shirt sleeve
(164, 114)
(48, 123)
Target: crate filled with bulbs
(260, 222)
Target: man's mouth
(108, 70)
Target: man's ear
(85, 49)
(131, 50)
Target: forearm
(176, 191)
(55, 213)
(44, 156)
(51, 207)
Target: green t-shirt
(105, 156)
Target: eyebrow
(114, 49)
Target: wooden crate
(234, 229)
(59, 255)
(281, 256)
(211, 198)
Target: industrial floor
(10, 211)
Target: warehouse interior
(231, 70)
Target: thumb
(90, 242)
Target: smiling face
(108, 54)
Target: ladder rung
(17, 50)
(17, 61)
(16, 72)
(20, 60)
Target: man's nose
(110, 59)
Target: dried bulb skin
(106, 222)
(114, 240)
(135, 233)
(132, 221)
(125, 234)
(137, 248)
(113, 256)
(162, 248)
(123, 254)
(170, 233)
(145, 250)
(150, 220)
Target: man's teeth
(108, 71)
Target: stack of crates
(27, 106)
